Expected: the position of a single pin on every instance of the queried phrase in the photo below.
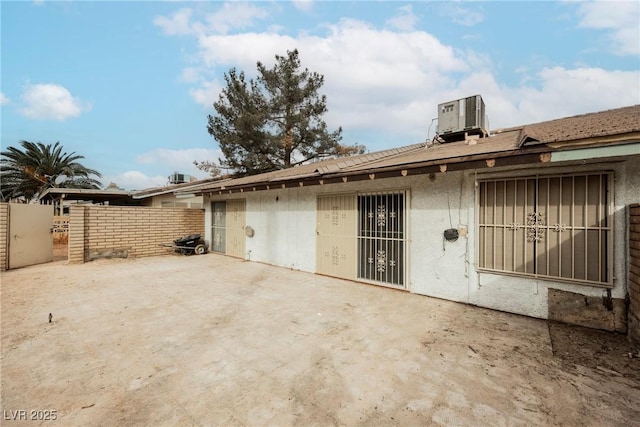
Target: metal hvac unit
(177, 178)
(462, 116)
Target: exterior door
(30, 234)
(235, 228)
(336, 236)
(382, 238)
(219, 228)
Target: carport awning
(117, 197)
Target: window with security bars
(381, 237)
(555, 227)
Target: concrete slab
(212, 340)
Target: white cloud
(51, 101)
(165, 160)
(178, 24)
(380, 81)
(235, 15)
(244, 49)
(461, 15)
(620, 18)
(371, 76)
(179, 160)
(206, 94)
(564, 92)
(405, 20)
(135, 180)
(4, 100)
(191, 75)
(303, 5)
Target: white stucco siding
(438, 267)
(528, 296)
(284, 221)
(284, 224)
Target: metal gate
(227, 229)
(336, 237)
(30, 234)
(382, 238)
(219, 227)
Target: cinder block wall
(634, 274)
(127, 232)
(4, 236)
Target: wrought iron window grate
(547, 226)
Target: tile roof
(592, 125)
(527, 139)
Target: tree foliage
(274, 121)
(27, 172)
(209, 167)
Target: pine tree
(275, 121)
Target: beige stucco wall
(120, 231)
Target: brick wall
(634, 274)
(127, 232)
(4, 236)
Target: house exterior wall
(284, 221)
(115, 231)
(634, 274)
(531, 297)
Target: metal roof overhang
(95, 196)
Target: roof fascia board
(472, 162)
(625, 138)
(623, 150)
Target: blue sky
(129, 85)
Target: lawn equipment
(188, 245)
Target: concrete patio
(212, 340)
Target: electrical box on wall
(461, 116)
(451, 234)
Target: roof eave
(484, 160)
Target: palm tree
(26, 173)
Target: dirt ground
(211, 340)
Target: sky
(129, 85)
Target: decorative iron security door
(219, 226)
(381, 238)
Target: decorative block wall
(128, 232)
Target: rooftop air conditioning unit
(177, 178)
(461, 116)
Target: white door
(30, 234)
